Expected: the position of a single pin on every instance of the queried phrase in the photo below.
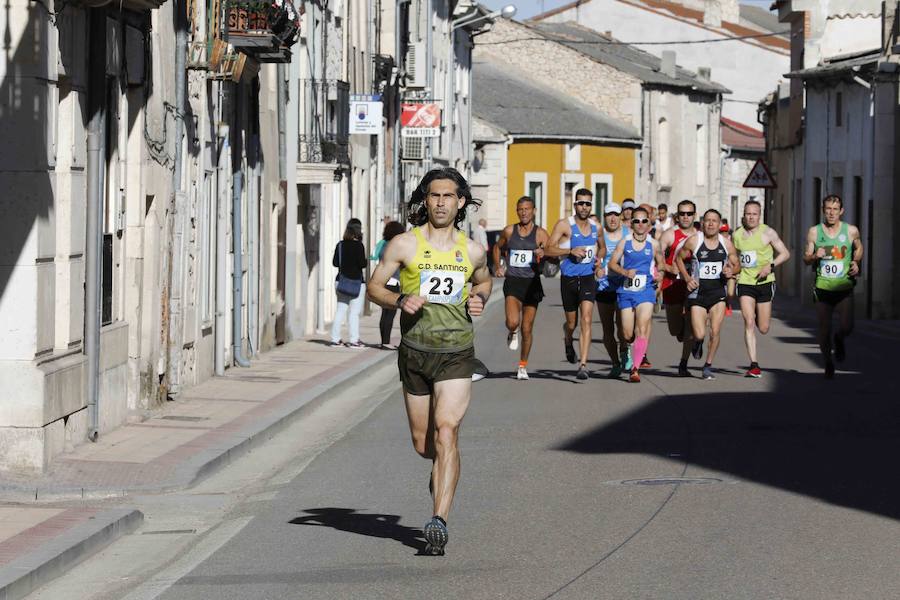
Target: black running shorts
(762, 293)
(607, 296)
(707, 301)
(419, 370)
(575, 290)
(528, 290)
(832, 297)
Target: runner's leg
(626, 319)
(421, 423)
(513, 312)
(748, 310)
(528, 315)
(698, 322)
(643, 315)
(608, 321)
(824, 311)
(716, 316)
(451, 399)
(844, 309)
(586, 311)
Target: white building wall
(749, 69)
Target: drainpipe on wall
(222, 132)
(398, 49)
(93, 246)
(237, 273)
(174, 336)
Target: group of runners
(617, 264)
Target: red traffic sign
(760, 177)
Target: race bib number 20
(748, 258)
(442, 287)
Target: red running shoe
(728, 311)
(754, 371)
(645, 363)
(635, 376)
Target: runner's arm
(616, 258)
(680, 257)
(399, 250)
(812, 256)
(733, 261)
(559, 235)
(658, 256)
(665, 242)
(481, 280)
(856, 259)
(542, 238)
(501, 242)
(600, 254)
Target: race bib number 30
(636, 284)
(831, 269)
(748, 258)
(710, 270)
(589, 256)
(520, 258)
(442, 287)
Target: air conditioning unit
(413, 148)
(416, 65)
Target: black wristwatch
(400, 300)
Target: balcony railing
(324, 121)
(264, 29)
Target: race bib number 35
(710, 270)
(442, 287)
(832, 269)
(748, 258)
(520, 258)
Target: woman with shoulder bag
(391, 230)
(350, 259)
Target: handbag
(345, 285)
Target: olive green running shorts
(419, 370)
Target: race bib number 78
(442, 287)
(520, 258)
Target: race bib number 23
(442, 287)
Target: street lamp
(507, 12)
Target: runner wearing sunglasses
(674, 288)
(577, 239)
(639, 260)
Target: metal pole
(221, 246)
(237, 273)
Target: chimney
(716, 11)
(667, 66)
(704, 73)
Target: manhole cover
(672, 481)
(183, 418)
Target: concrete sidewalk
(42, 535)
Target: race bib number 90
(748, 258)
(442, 287)
(710, 270)
(831, 269)
(636, 283)
(520, 258)
(589, 256)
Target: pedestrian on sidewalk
(350, 259)
(386, 324)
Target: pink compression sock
(639, 350)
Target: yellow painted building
(550, 172)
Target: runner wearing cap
(577, 239)
(607, 286)
(522, 244)
(628, 207)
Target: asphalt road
(781, 487)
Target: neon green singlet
(833, 271)
(443, 324)
(755, 253)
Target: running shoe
(754, 371)
(829, 370)
(522, 374)
(840, 351)
(627, 364)
(708, 372)
(635, 377)
(615, 372)
(480, 372)
(645, 363)
(512, 340)
(337, 344)
(570, 351)
(582, 372)
(357, 345)
(683, 369)
(697, 351)
(436, 537)
(728, 311)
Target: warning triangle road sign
(759, 176)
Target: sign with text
(420, 119)
(365, 114)
(759, 176)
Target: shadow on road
(373, 525)
(833, 440)
(567, 376)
